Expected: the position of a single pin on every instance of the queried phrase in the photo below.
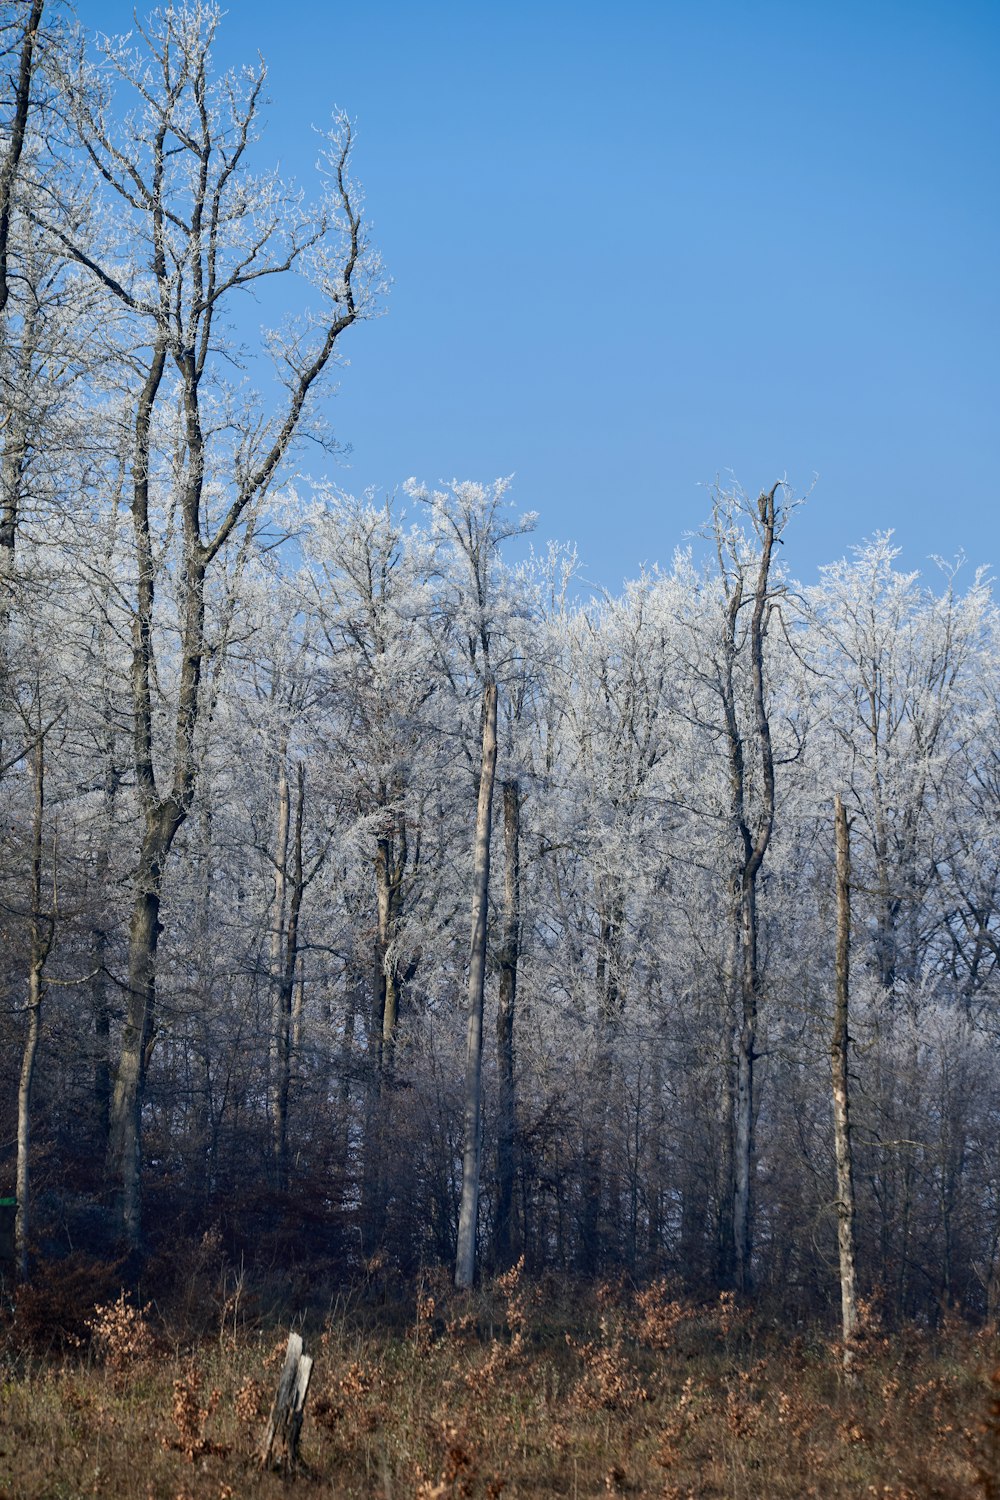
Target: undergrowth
(519, 1389)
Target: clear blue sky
(637, 248)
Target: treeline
(264, 747)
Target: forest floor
(519, 1389)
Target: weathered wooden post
(285, 1422)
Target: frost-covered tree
(188, 224)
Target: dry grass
(518, 1390)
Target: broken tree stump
(281, 1440)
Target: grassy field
(520, 1390)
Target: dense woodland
(374, 895)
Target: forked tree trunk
(841, 1100)
(752, 826)
(465, 1260)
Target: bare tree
(471, 523)
(747, 736)
(178, 183)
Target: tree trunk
(390, 862)
(100, 1001)
(138, 1032)
(298, 1005)
(746, 1056)
(24, 1092)
(285, 1421)
(284, 999)
(841, 1101)
(17, 427)
(276, 957)
(42, 933)
(725, 1248)
(509, 955)
(465, 1261)
(752, 828)
(125, 1126)
(392, 853)
(15, 143)
(607, 983)
(390, 866)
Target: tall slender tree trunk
(298, 1005)
(390, 865)
(100, 1001)
(276, 955)
(746, 1057)
(465, 1260)
(725, 1247)
(510, 948)
(14, 437)
(24, 1093)
(42, 934)
(284, 999)
(753, 823)
(139, 1030)
(15, 141)
(607, 980)
(14, 457)
(654, 1166)
(336, 1081)
(160, 823)
(102, 1026)
(841, 1099)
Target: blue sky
(636, 250)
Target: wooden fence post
(285, 1421)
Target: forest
(375, 897)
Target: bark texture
(839, 1045)
(15, 142)
(465, 1261)
(42, 935)
(752, 794)
(510, 948)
